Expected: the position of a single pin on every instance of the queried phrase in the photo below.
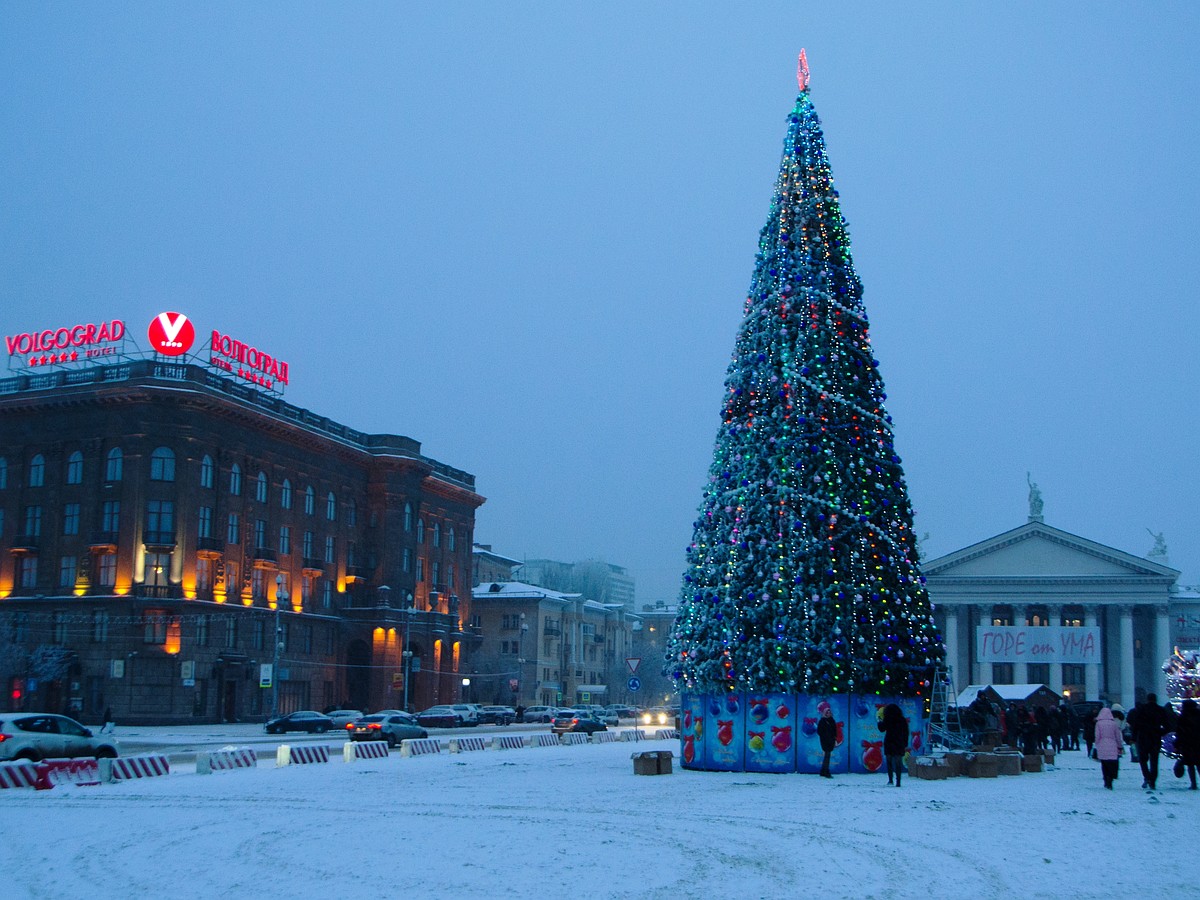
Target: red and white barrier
(420, 746)
(634, 734)
(605, 737)
(508, 742)
(17, 774)
(666, 734)
(51, 772)
(467, 744)
(225, 759)
(574, 738)
(124, 768)
(301, 755)
(353, 750)
(544, 739)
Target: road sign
(265, 674)
(635, 685)
(633, 662)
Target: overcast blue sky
(521, 233)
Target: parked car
(621, 711)
(576, 720)
(656, 715)
(392, 728)
(438, 717)
(539, 713)
(304, 720)
(498, 715)
(343, 717)
(36, 736)
(468, 713)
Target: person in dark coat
(1187, 738)
(895, 741)
(107, 725)
(827, 732)
(1089, 733)
(1149, 723)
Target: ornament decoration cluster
(802, 576)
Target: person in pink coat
(1110, 746)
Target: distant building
(488, 566)
(651, 630)
(540, 647)
(595, 579)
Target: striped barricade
(544, 739)
(301, 754)
(634, 734)
(574, 738)
(124, 768)
(508, 742)
(666, 734)
(420, 746)
(353, 750)
(467, 744)
(66, 771)
(605, 737)
(224, 760)
(17, 774)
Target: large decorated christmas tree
(802, 576)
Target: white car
(36, 736)
(468, 713)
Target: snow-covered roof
(1005, 691)
(513, 589)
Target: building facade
(1038, 576)
(179, 546)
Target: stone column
(1091, 671)
(1162, 649)
(983, 670)
(1125, 650)
(1020, 618)
(952, 648)
(1054, 614)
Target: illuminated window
(112, 465)
(260, 488)
(162, 464)
(204, 576)
(235, 480)
(285, 495)
(108, 569)
(37, 471)
(158, 567)
(258, 584)
(75, 468)
(207, 471)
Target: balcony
(158, 591)
(104, 542)
(313, 566)
(552, 630)
(25, 543)
(159, 540)
(265, 558)
(210, 548)
(357, 573)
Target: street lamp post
(521, 658)
(406, 653)
(280, 597)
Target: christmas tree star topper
(802, 71)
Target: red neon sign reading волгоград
(250, 357)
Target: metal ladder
(945, 727)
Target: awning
(591, 688)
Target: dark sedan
(577, 721)
(305, 720)
(438, 717)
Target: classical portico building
(991, 597)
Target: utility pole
(406, 653)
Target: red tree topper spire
(802, 72)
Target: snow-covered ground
(576, 821)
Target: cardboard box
(652, 762)
(930, 769)
(983, 765)
(1032, 762)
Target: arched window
(75, 468)
(420, 531)
(260, 488)
(162, 464)
(352, 513)
(310, 501)
(206, 471)
(408, 516)
(235, 480)
(437, 534)
(3, 473)
(331, 507)
(37, 471)
(112, 465)
(450, 540)
(285, 495)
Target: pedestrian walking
(895, 741)
(827, 733)
(1110, 746)
(1149, 723)
(1187, 738)
(107, 725)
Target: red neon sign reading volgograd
(53, 340)
(249, 357)
(171, 334)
